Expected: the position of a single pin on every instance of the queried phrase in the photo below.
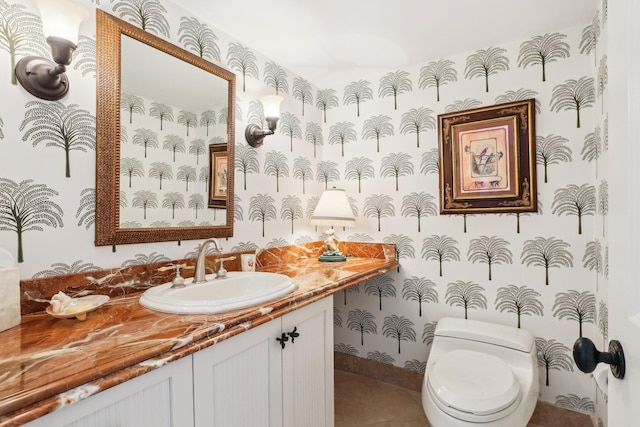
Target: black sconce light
(60, 23)
(253, 133)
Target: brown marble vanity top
(47, 363)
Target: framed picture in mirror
(218, 176)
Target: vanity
(265, 365)
(269, 364)
(249, 380)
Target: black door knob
(587, 356)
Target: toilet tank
(484, 332)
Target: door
(307, 366)
(162, 397)
(238, 382)
(624, 218)
(252, 380)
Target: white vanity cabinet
(162, 397)
(250, 380)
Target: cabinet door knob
(283, 339)
(587, 356)
(294, 334)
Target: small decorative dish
(79, 307)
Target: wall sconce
(61, 24)
(253, 133)
(333, 209)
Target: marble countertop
(47, 363)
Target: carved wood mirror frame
(108, 81)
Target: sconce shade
(333, 209)
(61, 18)
(271, 105)
(60, 24)
(271, 108)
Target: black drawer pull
(294, 334)
(283, 339)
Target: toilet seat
(473, 386)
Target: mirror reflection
(168, 121)
(161, 112)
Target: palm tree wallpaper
(374, 135)
(164, 154)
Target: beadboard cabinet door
(307, 367)
(160, 398)
(251, 380)
(236, 380)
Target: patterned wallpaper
(376, 137)
(545, 271)
(165, 168)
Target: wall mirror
(159, 109)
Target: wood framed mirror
(159, 108)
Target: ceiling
(328, 40)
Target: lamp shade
(271, 105)
(333, 209)
(61, 18)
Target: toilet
(480, 374)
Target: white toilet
(480, 374)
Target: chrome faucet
(199, 276)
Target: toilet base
(518, 418)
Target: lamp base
(332, 256)
(34, 74)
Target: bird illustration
(481, 155)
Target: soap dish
(79, 307)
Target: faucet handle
(176, 267)
(178, 280)
(222, 272)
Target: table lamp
(333, 209)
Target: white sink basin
(238, 290)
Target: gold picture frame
(218, 176)
(488, 159)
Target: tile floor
(361, 401)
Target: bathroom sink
(238, 290)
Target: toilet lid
(473, 382)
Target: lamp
(60, 24)
(333, 209)
(253, 133)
